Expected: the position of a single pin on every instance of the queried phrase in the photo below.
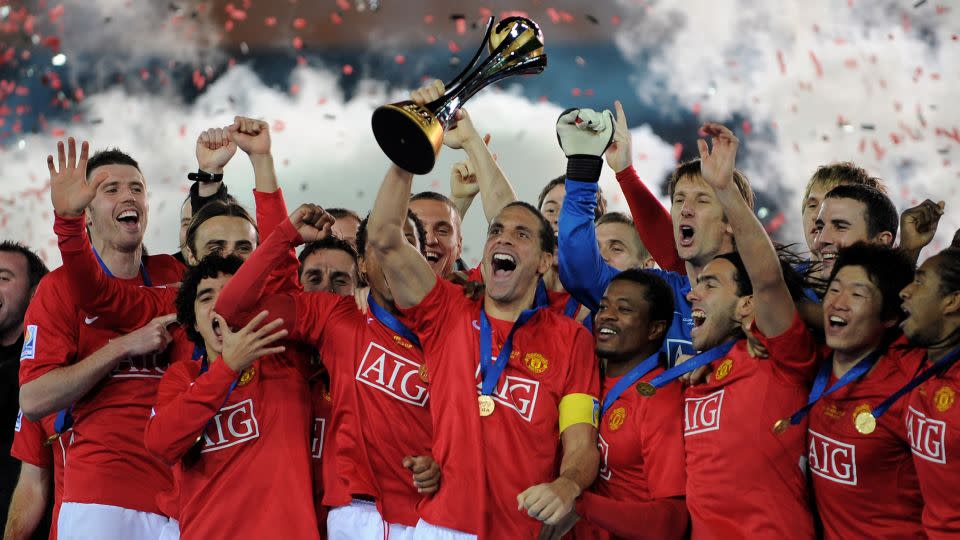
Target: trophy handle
(451, 87)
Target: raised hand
(918, 225)
(585, 132)
(252, 136)
(716, 166)
(242, 347)
(214, 149)
(429, 93)
(461, 132)
(618, 154)
(70, 191)
(463, 181)
(312, 222)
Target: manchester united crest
(723, 369)
(247, 375)
(943, 399)
(617, 416)
(536, 363)
(422, 372)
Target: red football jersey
(320, 437)
(641, 448)
(932, 420)
(253, 447)
(866, 485)
(30, 446)
(108, 463)
(487, 462)
(379, 408)
(744, 481)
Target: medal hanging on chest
(490, 371)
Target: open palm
(70, 191)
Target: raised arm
(918, 226)
(495, 190)
(650, 218)
(408, 274)
(122, 307)
(773, 305)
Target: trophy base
(409, 134)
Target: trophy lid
(521, 32)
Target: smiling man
(442, 221)
(852, 213)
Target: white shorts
(82, 521)
(171, 531)
(362, 521)
(426, 531)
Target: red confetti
(57, 132)
(452, 45)
(878, 150)
(294, 89)
(344, 5)
(270, 21)
(615, 20)
(183, 130)
(431, 40)
(816, 65)
(677, 151)
(78, 94)
(228, 26)
(428, 19)
(696, 108)
(485, 12)
(575, 91)
(278, 125)
(335, 18)
(301, 61)
(52, 42)
(905, 22)
(54, 14)
(400, 59)
(850, 63)
(747, 128)
(554, 15)
(199, 80)
(461, 26)
(297, 43)
(347, 69)
(299, 23)
(781, 63)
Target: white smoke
(322, 143)
(818, 81)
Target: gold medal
(646, 389)
(422, 371)
(51, 439)
(865, 423)
(781, 425)
(486, 405)
(247, 375)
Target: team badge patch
(536, 363)
(247, 376)
(723, 369)
(617, 416)
(402, 342)
(944, 398)
(422, 372)
(29, 350)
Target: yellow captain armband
(579, 409)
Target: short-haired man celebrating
(534, 370)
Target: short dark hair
(215, 209)
(888, 268)
(417, 227)
(881, 214)
(548, 240)
(434, 196)
(36, 269)
(624, 219)
(210, 266)
(330, 242)
(656, 292)
(789, 264)
(110, 156)
(341, 213)
(949, 271)
(692, 169)
(598, 211)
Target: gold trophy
(411, 134)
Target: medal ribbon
(490, 371)
(940, 366)
(820, 389)
(691, 364)
(627, 381)
(64, 419)
(387, 319)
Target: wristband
(205, 177)
(584, 168)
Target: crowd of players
(668, 375)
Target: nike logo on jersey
(831, 459)
(90, 320)
(926, 436)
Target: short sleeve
(584, 374)
(29, 443)
(794, 352)
(50, 331)
(662, 443)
